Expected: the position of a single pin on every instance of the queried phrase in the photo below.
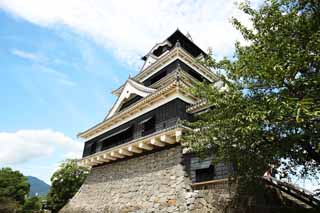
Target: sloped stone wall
(158, 182)
(155, 182)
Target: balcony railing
(103, 145)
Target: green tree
(14, 187)
(32, 204)
(270, 113)
(9, 205)
(65, 183)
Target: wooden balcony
(158, 139)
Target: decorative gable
(150, 59)
(130, 89)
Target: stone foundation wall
(156, 182)
(217, 195)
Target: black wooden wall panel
(166, 116)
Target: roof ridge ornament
(178, 44)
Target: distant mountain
(37, 187)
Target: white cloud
(61, 77)
(25, 145)
(51, 71)
(39, 62)
(67, 82)
(25, 55)
(130, 28)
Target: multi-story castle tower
(135, 154)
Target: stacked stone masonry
(156, 182)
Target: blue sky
(52, 79)
(50, 75)
(60, 60)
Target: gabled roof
(176, 53)
(184, 41)
(149, 60)
(155, 47)
(131, 87)
(177, 40)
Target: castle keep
(137, 161)
(135, 152)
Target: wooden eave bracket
(138, 146)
